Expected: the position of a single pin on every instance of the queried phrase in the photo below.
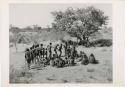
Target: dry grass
(97, 73)
(92, 73)
(90, 70)
(19, 76)
(37, 37)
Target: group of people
(52, 55)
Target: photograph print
(60, 43)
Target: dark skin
(50, 50)
(65, 47)
(60, 50)
(55, 49)
(43, 52)
(68, 51)
(74, 52)
(38, 51)
(28, 58)
(92, 57)
(46, 52)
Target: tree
(80, 22)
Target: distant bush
(82, 43)
(101, 43)
(70, 42)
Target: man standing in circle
(50, 50)
(55, 49)
(60, 50)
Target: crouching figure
(92, 59)
(85, 60)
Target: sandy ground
(91, 73)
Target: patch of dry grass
(92, 73)
(19, 76)
(90, 70)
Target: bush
(84, 43)
(101, 43)
(70, 42)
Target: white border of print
(118, 42)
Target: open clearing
(91, 73)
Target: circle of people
(53, 55)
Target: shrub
(101, 43)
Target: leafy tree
(80, 22)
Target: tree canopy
(80, 22)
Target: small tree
(80, 22)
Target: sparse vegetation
(82, 27)
(19, 76)
(102, 43)
(80, 22)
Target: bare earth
(91, 73)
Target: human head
(54, 55)
(41, 45)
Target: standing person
(39, 54)
(52, 62)
(65, 48)
(46, 57)
(50, 50)
(43, 52)
(74, 52)
(68, 51)
(28, 57)
(31, 55)
(55, 49)
(73, 55)
(35, 52)
(46, 53)
(34, 55)
(85, 60)
(60, 50)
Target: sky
(23, 15)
